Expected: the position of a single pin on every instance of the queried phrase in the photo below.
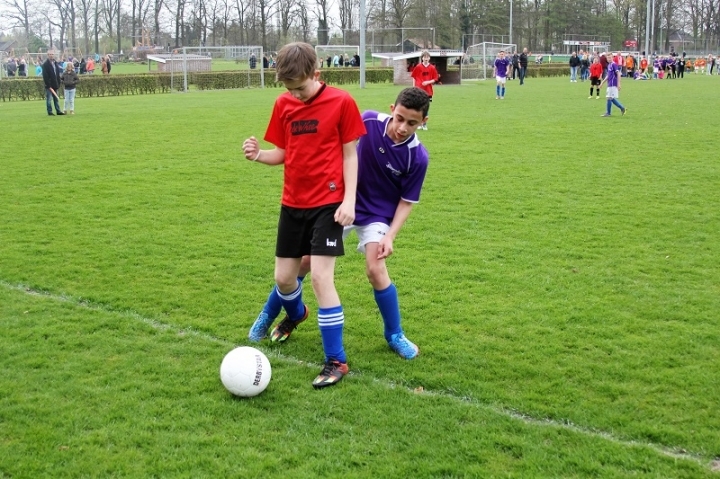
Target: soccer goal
(347, 52)
(479, 59)
(182, 63)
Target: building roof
(7, 46)
(433, 54)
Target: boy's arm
(345, 214)
(385, 246)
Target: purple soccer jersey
(501, 66)
(387, 172)
(613, 74)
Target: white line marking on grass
(677, 453)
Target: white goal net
(479, 59)
(328, 55)
(241, 67)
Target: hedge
(32, 88)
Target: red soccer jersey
(312, 134)
(423, 73)
(596, 70)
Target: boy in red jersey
(314, 128)
(424, 76)
(596, 72)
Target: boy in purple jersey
(501, 71)
(391, 172)
(613, 88)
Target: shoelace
(328, 368)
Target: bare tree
(322, 7)
(287, 10)
(85, 13)
(265, 8)
(18, 12)
(399, 10)
(157, 6)
(58, 16)
(304, 21)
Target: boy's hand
(385, 247)
(251, 148)
(345, 214)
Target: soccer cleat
(623, 111)
(605, 114)
(590, 97)
(497, 97)
(332, 373)
(283, 330)
(259, 329)
(402, 345)
(597, 97)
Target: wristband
(256, 157)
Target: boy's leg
(331, 321)
(289, 291)
(617, 103)
(272, 307)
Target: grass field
(560, 276)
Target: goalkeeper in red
(392, 164)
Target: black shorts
(313, 231)
(595, 81)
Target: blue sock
(331, 322)
(293, 303)
(503, 91)
(617, 103)
(273, 305)
(387, 301)
(609, 105)
(497, 90)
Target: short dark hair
(414, 99)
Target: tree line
(539, 25)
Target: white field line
(676, 453)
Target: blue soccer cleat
(403, 346)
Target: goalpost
(480, 58)
(331, 51)
(181, 63)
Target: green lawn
(560, 275)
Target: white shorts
(612, 92)
(371, 233)
(501, 79)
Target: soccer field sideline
(678, 453)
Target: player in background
(596, 71)
(501, 70)
(314, 128)
(613, 88)
(424, 76)
(392, 167)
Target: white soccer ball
(245, 371)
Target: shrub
(147, 83)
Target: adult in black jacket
(523, 60)
(50, 78)
(515, 65)
(574, 63)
